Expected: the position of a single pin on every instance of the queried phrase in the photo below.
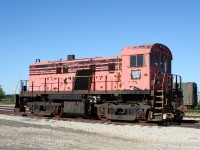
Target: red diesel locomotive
(137, 84)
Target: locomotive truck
(137, 84)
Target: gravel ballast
(27, 133)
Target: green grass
(8, 101)
(196, 110)
(198, 104)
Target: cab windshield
(161, 61)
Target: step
(159, 102)
(157, 114)
(159, 90)
(159, 108)
(160, 96)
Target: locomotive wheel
(60, 112)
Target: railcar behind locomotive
(189, 94)
(137, 84)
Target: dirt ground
(23, 134)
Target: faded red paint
(43, 76)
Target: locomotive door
(83, 79)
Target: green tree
(2, 93)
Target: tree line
(198, 95)
(9, 98)
(2, 93)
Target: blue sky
(52, 29)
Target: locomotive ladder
(160, 98)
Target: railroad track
(190, 122)
(9, 109)
(6, 108)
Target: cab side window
(133, 61)
(140, 60)
(137, 61)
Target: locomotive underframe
(112, 105)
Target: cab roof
(145, 49)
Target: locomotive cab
(135, 68)
(147, 69)
(140, 65)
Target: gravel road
(26, 133)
